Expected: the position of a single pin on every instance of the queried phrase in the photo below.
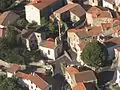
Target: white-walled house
(50, 49)
(32, 39)
(73, 12)
(109, 4)
(33, 81)
(77, 39)
(74, 77)
(95, 16)
(38, 9)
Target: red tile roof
(34, 78)
(71, 70)
(99, 13)
(65, 8)
(82, 45)
(14, 68)
(91, 31)
(22, 75)
(115, 40)
(106, 26)
(79, 86)
(41, 4)
(49, 43)
(38, 81)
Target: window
(48, 52)
(31, 87)
(50, 88)
(74, 18)
(37, 35)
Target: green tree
(4, 4)
(44, 22)
(11, 37)
(21, 23)
(32, 25)
(11, 84)
(2, 77)
(94, 54)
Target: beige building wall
(47, 52)
(32, 14)
(73, 40)
(38, 37)
(89, 19)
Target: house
(12, 70)
(76, 36)
(79, 79)
(7, 18)
(37, 9)
(31, 39)
(109, 4)
(33, 81)
(70, 13)
(50, 48)
(95, 16)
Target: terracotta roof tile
(79, 86)
(34, 78)
(106, 26)
(99, 13)
(82, 45)
(41, 4)
(85, 76)
(22, 75)
(38, 81)
(71, 70)
(91, 31)
(95, 31)
(115, 40)
(14, 68)
(65, 8)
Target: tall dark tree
(4, 4)
(94, 54)
(11, 36)
(11, 84)
(21, 23)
